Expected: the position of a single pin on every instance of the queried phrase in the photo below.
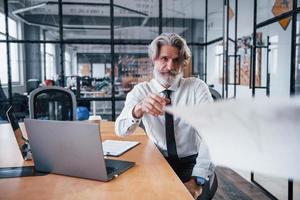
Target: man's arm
(204, 167)
(136, 105)
(126, 123)
(152, 104)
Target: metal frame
(9, 79)
(226, 47)
(268, 74)
(235, 50)
(160, 16)
(253, 63)
(62, 42)
(103, 41)
(267, 87)
(226, 39)
(205, 40)
(270, 195)
(293, 48)
(292, 13)
(235, 56)
(252, 85)
(224, 50)
(44, 56)
(112, 49)
(61, 45)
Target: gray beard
(166, 80)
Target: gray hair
(171, 39)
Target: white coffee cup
(95, 118)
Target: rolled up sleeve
(126, 124)
(204, 167)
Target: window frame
(19, 56)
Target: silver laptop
(71, 148)
(23, 143)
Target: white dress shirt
(186, 91)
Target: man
(179, 143)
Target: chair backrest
(215, 94)
(52, 103)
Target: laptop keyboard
(110, 169)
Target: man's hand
(153, 104)
(193, 188)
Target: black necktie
(170, 137)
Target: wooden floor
(233, 186)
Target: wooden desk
(151, 178)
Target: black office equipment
(32, 84)
(52, 103)
(23, 143)
(14, 172)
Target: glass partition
(35, 17)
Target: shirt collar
(161, 88)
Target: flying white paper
(256, 135)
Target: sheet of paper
(116, 147)
(261, 135)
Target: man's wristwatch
(200, 181)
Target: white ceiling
(171, 8)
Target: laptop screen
(22, 142)
(12, 118)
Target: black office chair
(52, 103)
(32, 84)
(215, 94)
(20, 105)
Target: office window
(68, 64)
(3, 62)
(102, 108)
(2, 26)
(50, 62)
(186, 18)
(15, 69)
(12, 28)
(119, 106)
(136, 20)
(98, 70)
(132, 66)
(90, 21)
(35, 15)
(14, 62)
(91, 60)
(14, 51)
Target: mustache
(166, 77)
(170, 72)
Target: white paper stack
(116, 147)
